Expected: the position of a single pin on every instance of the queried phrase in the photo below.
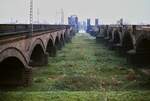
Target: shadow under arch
(13, 73)
(127, 42)
(116, 37)
(51, 48)
(110, 34)
(141, 56)
(38, 56)
(62, 40)
(58, 43)
(143, 51)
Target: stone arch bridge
(132, 40)
(21, 49)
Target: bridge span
(21, 49)
(131, 40)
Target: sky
(108, 11)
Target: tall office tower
(88, 22)
(96, 22)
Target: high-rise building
(88, 25)
(73, 21)
(88, 22)
(96, 22)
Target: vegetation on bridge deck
(84, 71)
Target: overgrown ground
(84, 71)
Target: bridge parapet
(20, 29)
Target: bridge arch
(51, 48)
(36, 42)
(13, 67)
(13, 52)
(62, 40)
(65, 36)
(143, 48)
(38, 56)
(143, 43)
(127, 41)
(58, 43)
(110, 33)
(116, 37)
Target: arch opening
(62, 41)
(143, 51)
(116, 37)
(51, 48)
(105, 32)
(110, 34)
(127, 42)
(65, 37)
(143, 46)
(11, 72)
(58, 43)
(38, 57)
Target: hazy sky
(108, 11)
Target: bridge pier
(62, 42)
(27, 77)
(52, 51)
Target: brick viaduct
(132, 40)
(20, 50)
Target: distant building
(96, 22)
(73, 21)
(84, 25)
(88, 25)
(88, 22)
(92, 29)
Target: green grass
(83, 71)
(76, 96)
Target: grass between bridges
(84, 71)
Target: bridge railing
(11, 29)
